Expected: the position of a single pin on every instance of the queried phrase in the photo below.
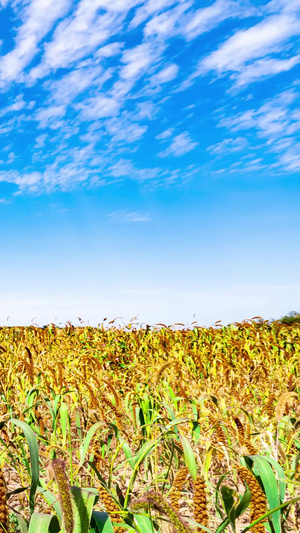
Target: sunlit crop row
(150, 430)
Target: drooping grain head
(64, 494)
(4, 520)
(200, 502)
(258, 499)
(111, 508)
(284, 401)
(177, 487)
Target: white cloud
(166, 74)
(47, 115)
(39, 18)
(181, 144)
(11, 157)
(146, 110)
(264, 68)
(165, 134)
(123, 167)
(228, 146)
(116, 5)
(27, 180)
(149, 8)
(40, 140)
(272, 120)
(206, 18)
(290, 159)
(288, 6)
(77, 36)
(7, 127)
(109, 50)
(124, 129)
(277, 121)
(166, 24)
(138, 59)
(247, 45)
(129, 216)
(18, 104)
(121, 88)
(98, 107)
(67, 88)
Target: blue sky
(149, 160)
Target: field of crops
(150, 430)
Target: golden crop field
(150, 430)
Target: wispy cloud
(38, 18)
(77, 36)
(263, 68)
(25, 181)
(165, 75)
(167, 24)
(125, 129)
(206, 18)
(130, 216)
(165, 134)
(138, 59)
(92, 86)
(98, 107)
(262, 39)
(109, 50)
(17, 105)
(277, 122)
(67, 88)
(181, 144)
(148, 9)
(272, 120)
(47, 117)
(230, 145)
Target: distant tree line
(291, 318)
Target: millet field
(150, 430)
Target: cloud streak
(239, 54)
(38, 19)
(96, 92)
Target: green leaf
(281, 477)
(171, 412)
(270, 486)
(222, 526)
(43, 523)
(200, 527)
(127, 451)
(78, 424)
(189, 456)
(177, 421)
(144, 523)
(269, 513)
(103, 522)
(85, 445)
(207, 462)
(228, 499)
(145, 449)
(217, 492)
(22, 523)
(51, 499)
(196, 431)
(34, 457)
(16, 491)
(64, 418)
(83, 500)
(242, 505)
